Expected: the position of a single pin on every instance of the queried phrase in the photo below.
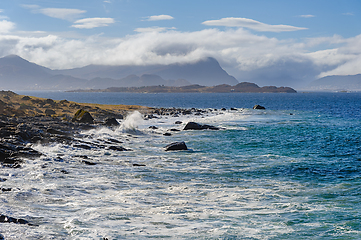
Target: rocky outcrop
(259, 107)
(197, 126)
(83, 116)
(111, 122)
(176, 146)
(6, 219)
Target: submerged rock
(176, 146)
(197, 126)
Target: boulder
(111, 122)
(63, 101)
(258, 107)
(56, 132)
(6, 219)
(26, 98)
(176, 146)
(197, 126)
(117, 148)
(49, 112)
(83, 116)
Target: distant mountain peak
(14, 57)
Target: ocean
(292, 171)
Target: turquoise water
(289, 172)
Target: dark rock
(88, 163)
(176, 146)
(187, 112)
(111, 122)
(83, 116)
(153, 127)
(258, 107)
(115, 148)
(197, 126)
(114, 140)
(27, 153)
(25, 132)
(83, 146)
(49, 101)
(6, 219)
(64, 101)
(233, 109)
(54, 131)
(26, 98)
(174, 130)
(138, 165)
(49, 112)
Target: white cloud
(93, 22)
(307, 16)
(6, 26)
(2, 17)
(251, 24)
(153, 29)
(159, 18)
(62, 13)
(238, 50)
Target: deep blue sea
(292, 171)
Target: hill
(337, 83)
(243, 87)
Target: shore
(26, 121)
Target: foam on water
(235, 183)
(132, 121)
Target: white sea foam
(132, 121)
(196, 194)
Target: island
(244, 87)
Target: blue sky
(248, 37)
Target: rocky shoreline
(20, 130)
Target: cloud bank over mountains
(239, 47)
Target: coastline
(26, 121)
(244, 87)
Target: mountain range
(337, 83)
(17, 73)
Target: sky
(279, 42)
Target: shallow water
(289, 172)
